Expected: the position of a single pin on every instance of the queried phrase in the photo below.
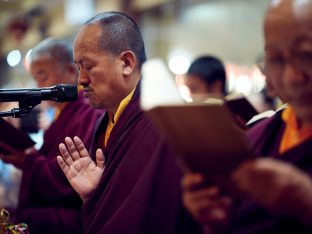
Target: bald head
(119, 33)
(289, 12)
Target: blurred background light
(14, 57)
(243, 84)
(179, 64)
(85, 8)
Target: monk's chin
(304, 114)
(95, 104)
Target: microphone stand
(25, 106)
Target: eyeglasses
(275, 65)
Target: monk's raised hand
(81, 171)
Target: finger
(83, 152)
(205, 193)
(246, 165)
(100, 159)
(205, 202)
(190, 181)
(198, 206)
(72, 149)
(256, 170)
(208, 210)
(217, 211)
(66, 156)
(216, 215)
(200, 201)
(244, 172)
(62, 164)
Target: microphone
(58, 93)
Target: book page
(204, 138)
(158, 86)
(240, 106)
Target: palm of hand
(81, 171)
(84, 176)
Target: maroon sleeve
(45, 193)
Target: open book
(240, 107)
(203, 135)
(13, 137)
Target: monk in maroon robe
(139, 190)
(277, 183)
(47, 203)
(135, 187)
(45, 195)
(251, 217)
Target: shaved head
(290, 11)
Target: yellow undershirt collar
(292, 135)
(114, 118)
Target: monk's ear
(128, 62)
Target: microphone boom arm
(29, 98)
(26, 104)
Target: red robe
(47, 202)
(139, 191)
(252, 218)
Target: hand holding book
(15, 145)
(203, 135)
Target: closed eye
(88, 68)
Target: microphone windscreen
(66, 92)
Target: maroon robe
(47, 202)
(139, 191)
(253, 218)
